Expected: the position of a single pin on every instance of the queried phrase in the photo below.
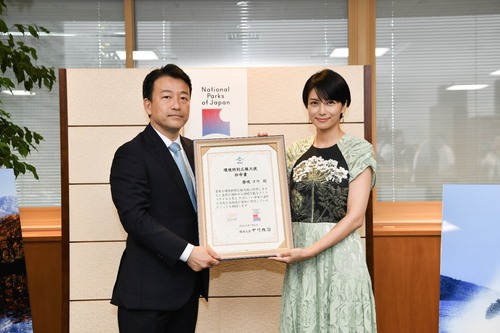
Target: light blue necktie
(176, 150)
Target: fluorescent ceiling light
(380, 51)
(18, 92)
(467, 87)
(138, 55)
(496, 72)
(340, 52)
(343, 52)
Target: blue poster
(15, 312)
(470, 264)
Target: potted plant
(18, 69)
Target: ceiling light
(340, 52)
(138, 55)
(380, 51)
(495, 72)
(18, 92)
(467, 87)
(343, 52)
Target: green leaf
(20, 28)
(4, 114)
(33, 31)
(32, 169)
(7, 83)
(28, 85)
(11, 41)
(28, 135)
(38, 137)
(3, 27)
(20, 167)
(33, 54)
(17, 62)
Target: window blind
(188, 33)
(82, 34)
(429, 134)
(242, 34)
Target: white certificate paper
(244, 208)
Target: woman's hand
(294, 255)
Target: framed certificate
(243, 206)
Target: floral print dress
(331, 292)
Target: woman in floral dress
(327, 287)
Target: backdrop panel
(101, 109)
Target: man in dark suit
(163, 270)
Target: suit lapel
(189, 150)
(155, 145)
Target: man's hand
(201, 258)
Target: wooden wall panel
(93, 268)
(43, 268)
(100, 223)
(218, 315)
(406, 283)
(252, 277)
(245, 294)
(276, 96)
(240, 314)
(95, 105)
(91, 151)
(93, 316)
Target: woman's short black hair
(329, 86)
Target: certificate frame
(243, 200)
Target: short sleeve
(359, 155)
(296, 150)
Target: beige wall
(104, 111)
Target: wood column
(129, 15)
(41, 228)
(407, 275)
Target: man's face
(169, 106)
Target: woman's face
(324, 115)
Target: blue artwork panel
(15, 313)
(470, 264)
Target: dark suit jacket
(156, 212)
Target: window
(242, 34)
(82, 34)
(188, 33)
(438, 97)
